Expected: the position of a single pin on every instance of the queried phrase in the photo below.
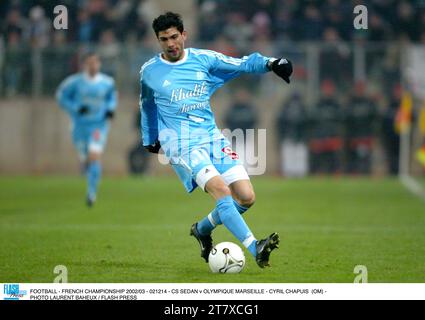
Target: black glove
(109, 115)
(283, 68)
(83, 110)
(153, 148)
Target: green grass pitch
(139, 231)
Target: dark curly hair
(166, 21)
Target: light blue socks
(209, 223)
(227, 213)
(94, 172)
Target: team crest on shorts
(96, 135)
(232, 154)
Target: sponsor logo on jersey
(181, 94)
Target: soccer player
(176, 86)
(90, 98)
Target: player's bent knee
(221, 190)
(217, 188)
(246, 199)
(94, 156)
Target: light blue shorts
(207, 161)
(90, 139)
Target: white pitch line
(413, 186)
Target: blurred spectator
(224, 46)
(39, 28)
(243, 115)
(335, 59)
(85, 27)
(266, 7)
(140, 28)
(313, 23)
(148, 10)
(326, 139)
(97, 10)
(15, 64)
(378, 30)
(284, 26)
(390, 138)
(385, 8)
(391, 71)
(263, 19)
(334, 14)
(210, 23)
(360, 118)
(58, 57)
(14, 24)
(406, 21)
(121, 11)
(292, 124)
(261, 24)
(247, 8)
(238, 30)
(109, 51)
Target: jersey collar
(186, 53)
(94, 79)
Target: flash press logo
(12, 292)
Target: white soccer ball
(226, 257)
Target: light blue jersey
(99, 95)
(176, 110)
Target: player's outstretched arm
(218, 62)
(149, 120)
(65, 95)
(111, 102)
(254, 63)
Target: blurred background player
(177, 85)
(90, 98)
